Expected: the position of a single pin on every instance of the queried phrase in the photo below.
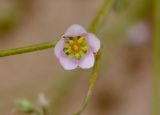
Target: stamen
(80, 40)
(71, 42)
(77, 55)
(69, 49)
(84, 48)
(75, 47)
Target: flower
(76, 48)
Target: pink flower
(76, 48)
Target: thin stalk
(156, 61)
(92, 80)
(44, 111)
(27, 49)
(37, 112)
(100, 16)
(92, 28)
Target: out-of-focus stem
(156, 60)
(27, 49)
(37, 112)
(44, 111)
(100, 15)
(92, 28)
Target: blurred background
(123, 86)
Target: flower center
(75, 47)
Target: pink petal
(88, 61)
(68, 64)
(75, 30)
(59, 48)
(93, 42)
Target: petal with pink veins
(88, 61)
(68, 64)
(75, 30)
(93, 42)
(59, 48)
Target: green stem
(92, 28)
(91, 84)
(37, 112)
(27, 49)
(45, 111)
(156, 61)
(100, 16)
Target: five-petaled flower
(76, 48)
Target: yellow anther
(77, 55)
(84, 48)
(71, 42)
(69, 49)
(80, 40)
(75, 47)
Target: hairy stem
(27, 49)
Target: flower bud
(24, 105)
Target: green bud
(24, 105)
